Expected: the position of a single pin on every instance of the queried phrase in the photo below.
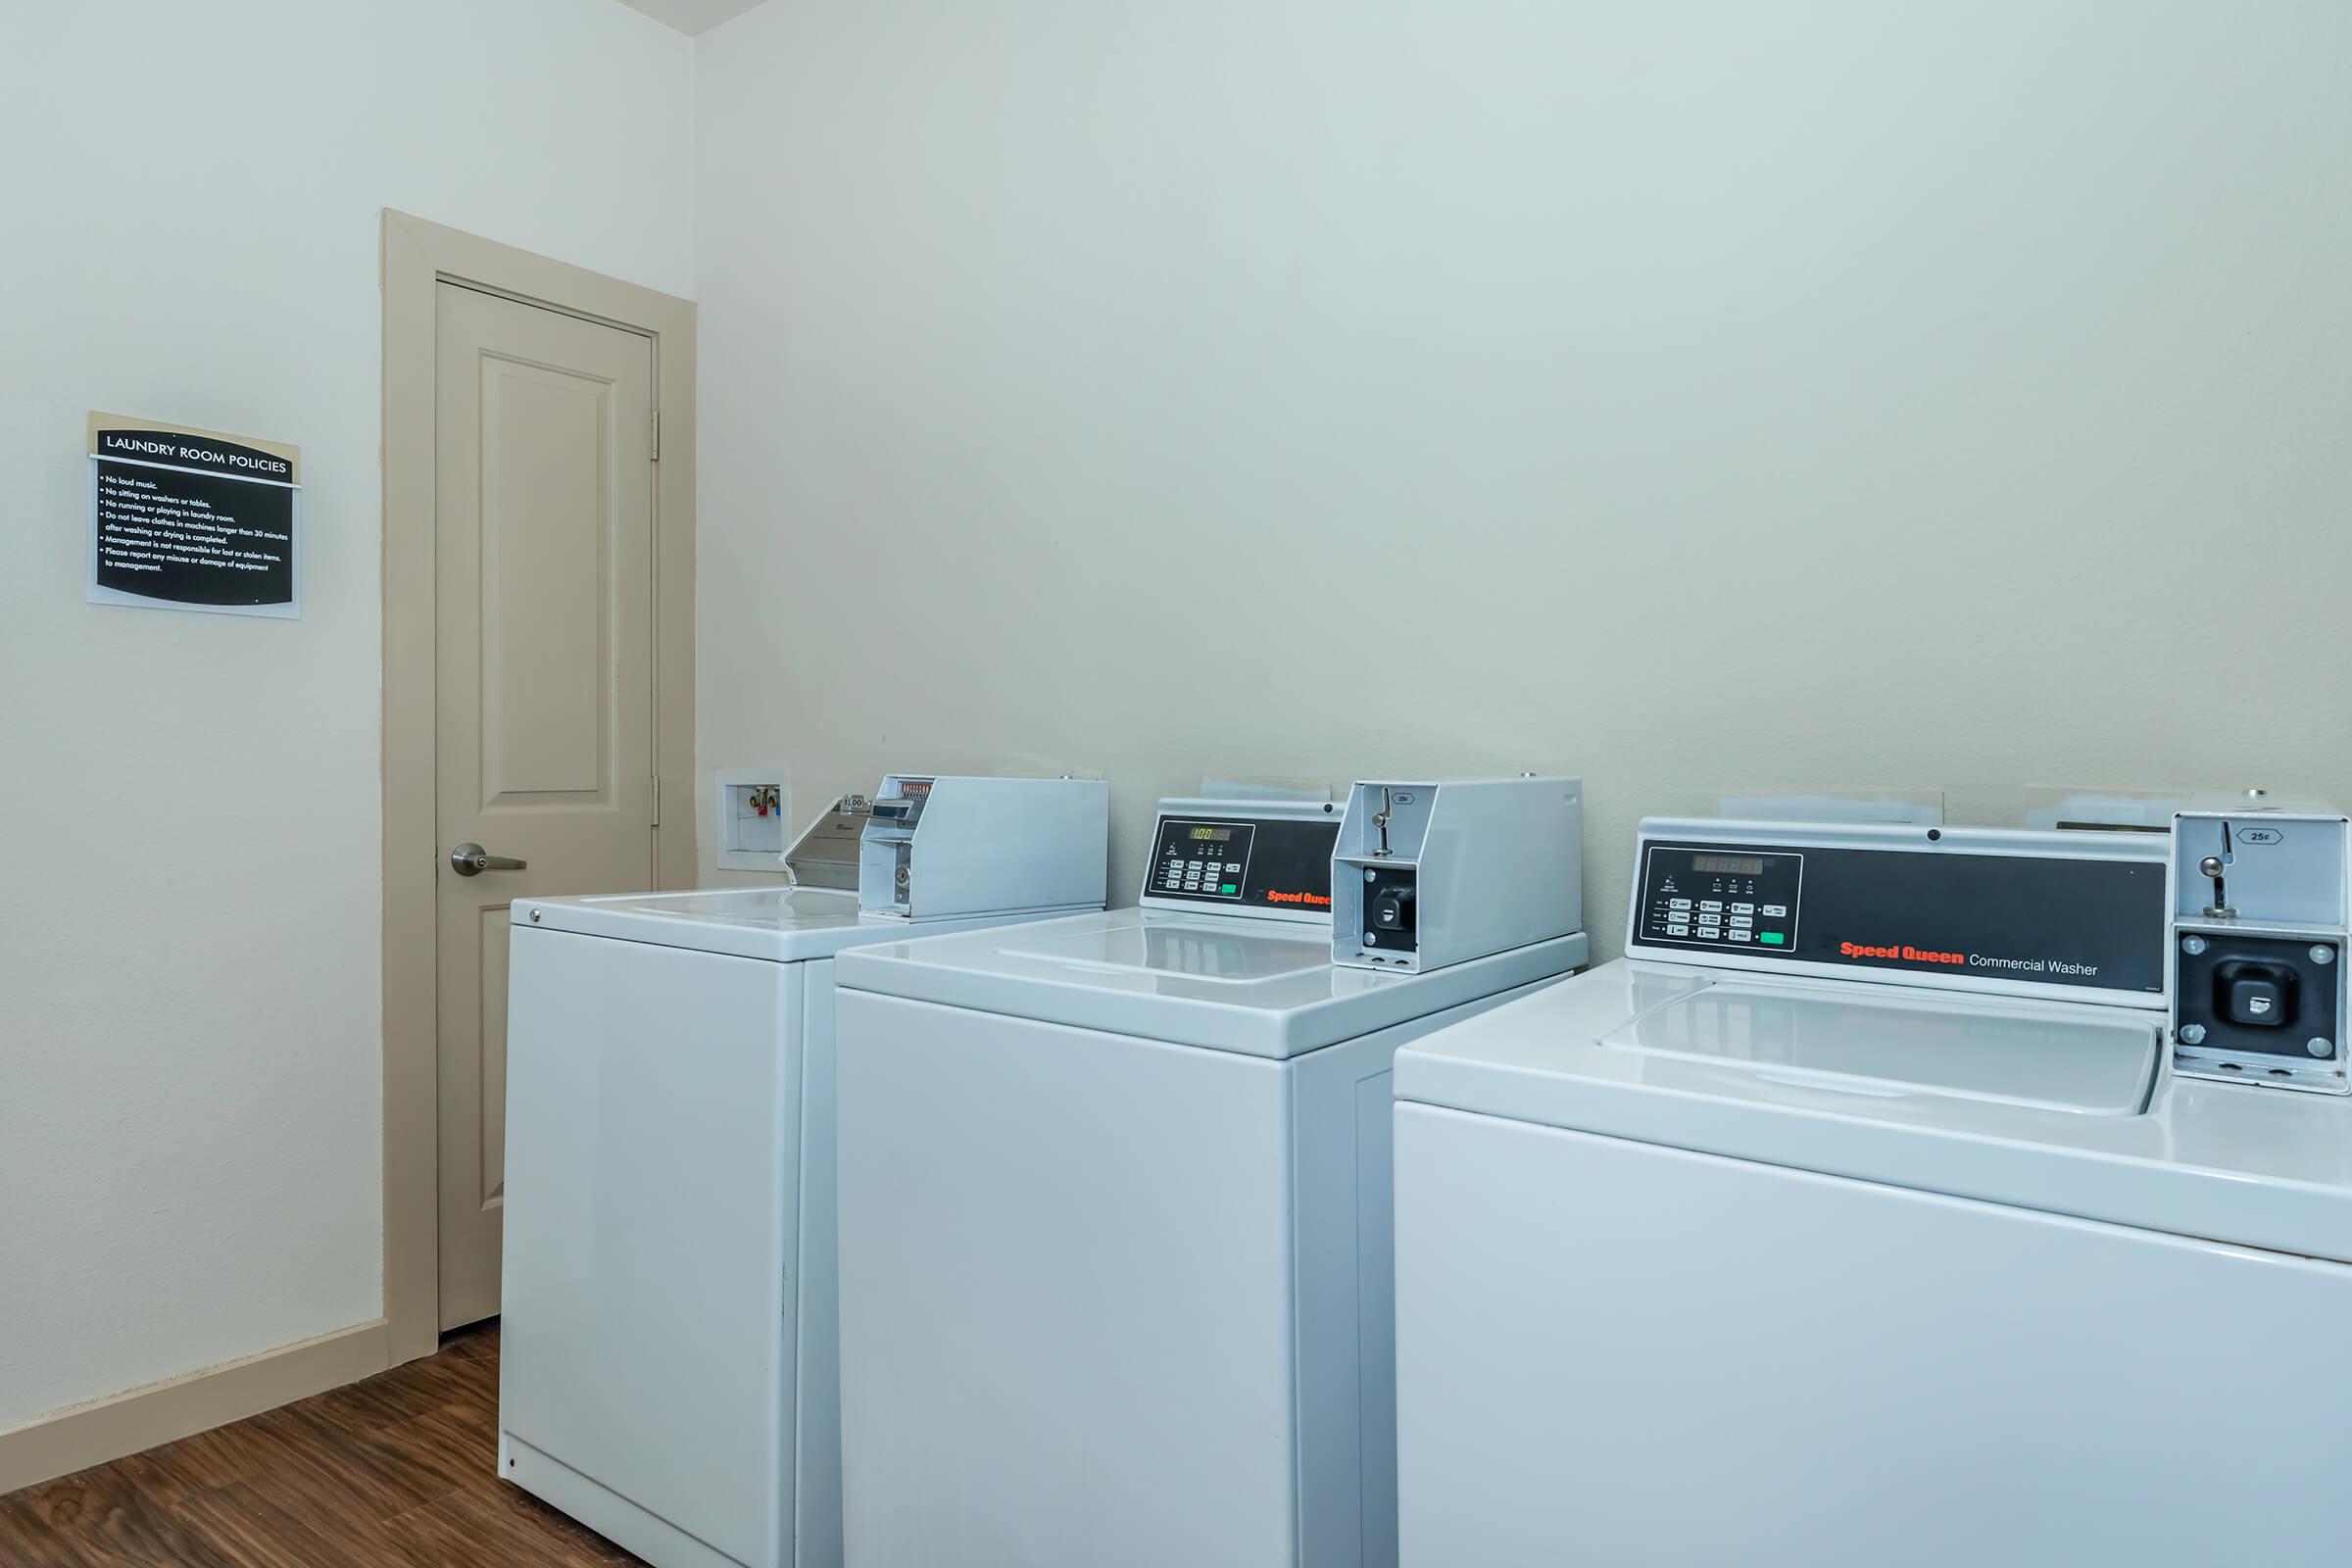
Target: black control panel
(2098, 922)
(2260, 995)
(1722, 897)
(1250, 862)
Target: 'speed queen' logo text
(1855, 949)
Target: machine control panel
(1261, 863)
(2072, 910)
(1722, 897)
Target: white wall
(1692, 395)
(190, 994)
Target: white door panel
(544, 688)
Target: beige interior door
(544, 716)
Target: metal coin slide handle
(472, 859)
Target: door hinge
(656, 800)
(656, 435)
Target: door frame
(417, 257)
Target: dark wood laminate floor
(396, 1472)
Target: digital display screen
(1211, 835)
(1728, 864)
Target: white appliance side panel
(1065, 1295)
(1613, 1352)
(817, 1418)
(650, 1214)
(1342, 1132)
(1344, 1329)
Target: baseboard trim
(138, 1419)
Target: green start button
(1774, 938)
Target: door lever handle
(472, 859)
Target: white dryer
(1114, 1202)
(1876, 1228)
(667, 1369)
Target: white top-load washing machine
(1114, 1190)
(668, 1372)
(1918, 1196)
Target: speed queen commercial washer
(1114, 1194)
(1865, 1215)
(666, 1367)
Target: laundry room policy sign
(182, 519)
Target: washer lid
(777, 923)
(2087, 1062)
(2059, 1107)
(1258, 988)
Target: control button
(1230, 889)
(1738, 936)
(2258, 1001)
(1743, 909)
(1776, 938)
(1678, 903)
(1678, 930)
(1741, 922)
(1233, 868)
(1776, 909)
(1710, 903)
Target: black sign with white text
(193, 521)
